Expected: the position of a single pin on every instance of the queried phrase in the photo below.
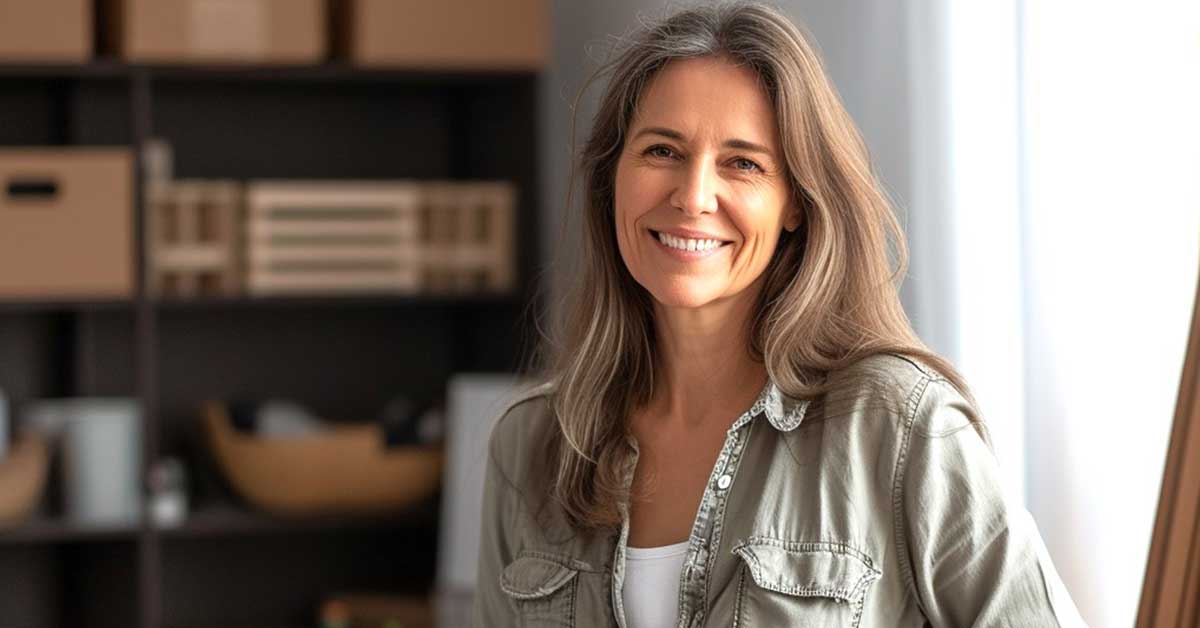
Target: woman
(740, 427)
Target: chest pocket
(786, 583)
(543, 590)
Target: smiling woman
(738, 425)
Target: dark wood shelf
(77, 305)
(221, 520)
(227, 520)
(248, 302)
(44, 529)
(344, 355)
(330, 71)
(357, 300)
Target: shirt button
(724, 481)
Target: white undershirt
(650, 593)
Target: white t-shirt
(651, 590)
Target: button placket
(692, 597)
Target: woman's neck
(705, 368)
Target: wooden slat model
(467, 237)
(194, 238)
(402, 237)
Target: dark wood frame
(1171, 589)
(217, 568)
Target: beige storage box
(65, 223)
(45, 31)
(217, 31)
(451, 34)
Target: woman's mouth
(687, 248)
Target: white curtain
(1054, 220)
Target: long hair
(829, 297)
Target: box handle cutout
(31, 189)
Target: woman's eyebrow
(677, 136)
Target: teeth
(687, 244)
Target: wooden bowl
(22, 478)
(345, 470)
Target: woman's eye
(741, 163)
(659, 150)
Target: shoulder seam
(522, 397)
(915, 364)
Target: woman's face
(701, 186)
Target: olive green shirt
(877, 504)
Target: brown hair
(830, 294)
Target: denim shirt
(877, 504)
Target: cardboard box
(66, 223)
(45, 31)
(450, 34)
(217, 31)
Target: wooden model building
(386, 237)
(331, 237)
(193, 238)
(467, 237)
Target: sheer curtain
(1054, 221)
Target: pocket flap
(820, 569)
(532, 577)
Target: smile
(687, 248)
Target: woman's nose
(696, 192)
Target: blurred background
(268, 268)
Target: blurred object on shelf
(452, 34)
(45, 31)
(167, 483)
(371, 610)
(274, 418)
(22, 477)
(331, 237)
(334, 614)
(406, 423)
(345, 470)
(193, 243)
(158, 160)
(66, 223)
(3, 424)
(473, 403)
(101, 463)
(216, 31)
(380, 237)
(280, 418)
(467, 237)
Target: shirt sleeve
(974, 557)
(491, 606)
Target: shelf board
(218, 521)
(227, 520)
(64, 305)
(44, 529)
(326, 72)
(356, 300)
(251, 302)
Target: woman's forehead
(708, 98)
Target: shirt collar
(784, 413)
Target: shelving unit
(344, 357)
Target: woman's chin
(683, 298)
